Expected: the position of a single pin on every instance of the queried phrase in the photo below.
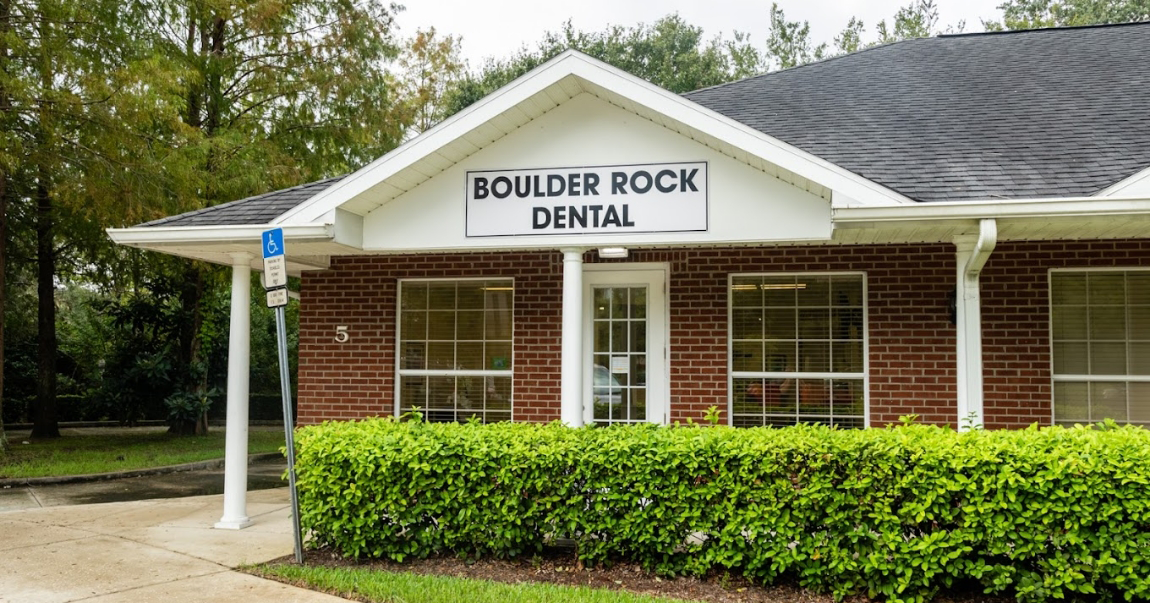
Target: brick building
(953, 227)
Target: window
(1100, 343)
(798, 350)
(455, 358)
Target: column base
(233, 524)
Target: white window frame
(731, 373)
(402, 372)
(1088, 379)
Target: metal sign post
(275, 283)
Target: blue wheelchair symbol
(273, 242)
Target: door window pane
(619, 354)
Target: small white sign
(620, 365)
(275, 272)
(277, 297)
(657, 197)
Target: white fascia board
(1014, 208)
(573, 63)
(1137, 184)
(178, 236)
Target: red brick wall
(357, 378)
(910, 335)
(911, 339)
(1016, 321)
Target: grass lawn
(377, 586)
(123, 450)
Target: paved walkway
(145, 551)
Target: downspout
(971, 254)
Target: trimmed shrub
(895, 513)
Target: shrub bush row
(894, 513)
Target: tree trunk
(3, 281)
(45, 424)
(5, 17)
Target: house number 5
(341, 335)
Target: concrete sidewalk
(145, 551)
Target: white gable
(565, 77)
(743, 204)
(1137, 185)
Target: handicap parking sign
(273, 242)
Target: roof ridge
(1057, 28)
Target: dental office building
(956, 228)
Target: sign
(275, 283)
(277, 297)
(275, 263)
(620, 364)
(657, 197)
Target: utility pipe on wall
(972, 254)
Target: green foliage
(123, 450)
(670, 53)
(915, 20)
(789, 42)
(898, 513)
(366, 584)
(190, 406)
(1030, 14)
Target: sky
(497, 28)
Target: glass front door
(625, 347)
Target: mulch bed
(559, 566)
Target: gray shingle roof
(260, 209)
(1042, 113)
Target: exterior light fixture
(613, 252)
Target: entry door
(625, 345)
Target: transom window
(455, 352)
(1100, 332)
(798, 348)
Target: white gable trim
(1137, 184)
(577, 73)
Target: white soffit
(565, 77)
(310, 246)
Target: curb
(99, 477)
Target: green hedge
(897, 513)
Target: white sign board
(657, 197)
(277, 297)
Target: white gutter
(971, 255)
(993, 208)
(175, 236)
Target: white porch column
(239, 360)
(571, 390)
(971, 254)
